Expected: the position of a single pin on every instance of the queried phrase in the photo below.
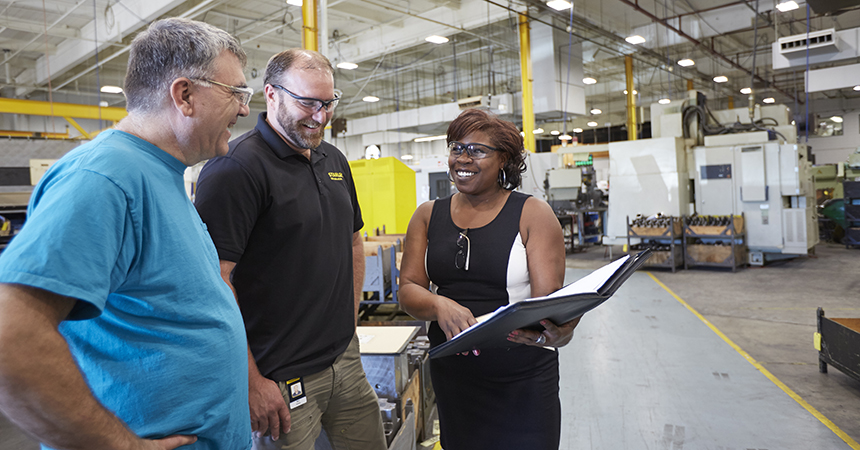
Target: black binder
(561, 306)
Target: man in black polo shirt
(282, 210)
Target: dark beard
(293, 132)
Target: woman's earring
(503, 179)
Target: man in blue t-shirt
(116, 330)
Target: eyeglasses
(313, 104)
(243, 93)
(461, 259)
(474, 150)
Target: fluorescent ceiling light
(294, 2)
(537, 131)
(592, 124)
(595, 111)
(635, 92)
(371, 99)
(837, 119)
(746, 91)
(436, 39)
(857, 88)
(430, 138)
(769, 100)
(111, 89)
(686, 62)
(721, 79)
(104, 104)
(523, 133)
(589, 80)
(559, 5)
(555, 132)
(635, 40)
(787, 6)
(577, 130)
(347, 65)
(664, 101)
(565, 137)
(406, 157)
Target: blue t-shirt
(156, 331)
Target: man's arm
(269, 412)
(41, 388)
(358, 270)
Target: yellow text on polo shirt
(336, 176)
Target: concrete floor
(657, 377)
(768, 312)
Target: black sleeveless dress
(506, 398)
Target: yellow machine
(386, 193)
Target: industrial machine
(769, 182)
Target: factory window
(829, 126)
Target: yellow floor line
(848, 440)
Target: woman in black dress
(468, 254)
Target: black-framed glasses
(242, 93)
(474, 150)
(461, 259)
(313, 104)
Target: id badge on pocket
(296, 392)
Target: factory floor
(703, 359)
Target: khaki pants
(340, 400)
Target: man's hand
(170, 442)
(269, 412)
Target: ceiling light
(664, 101)
(537, 131)
(294, 2)
(559, 5)
(431, 138)
(769, 100)
(555, 132)
(837, 119)
(522, 133)
(721, 79)
(371, 99)
(857, 88)
(635, 40)
(111, 89)
(746, 91)
(790, 5)
(635, 92)
(406, 157)
(577, 130)
(436, 39)
(686, 62)
(347, 65)
(595, 111)
(589, 80)
(592, 124)
(565, 137)
(104, 104)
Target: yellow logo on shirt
(336, 176)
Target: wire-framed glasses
(461, 259)
(474, 150)
(311, 103)
(242, 93)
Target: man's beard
(294, 130)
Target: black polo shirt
(288, 224)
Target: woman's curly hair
(503, 136)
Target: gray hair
(170, 49)
(297, 58)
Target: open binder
(561, 306)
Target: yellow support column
(310, 40)
(631, 99)
(527, 79)
(731, 102)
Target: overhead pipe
(635, 5)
